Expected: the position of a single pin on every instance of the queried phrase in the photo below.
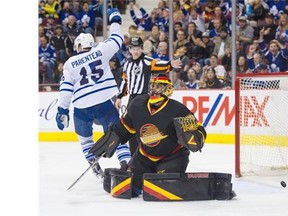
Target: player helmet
(135, 41)
(85, 40)
(161, 88)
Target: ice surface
(62, 163)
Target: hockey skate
(97, 170)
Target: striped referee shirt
(137, 74)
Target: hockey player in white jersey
(89, 83)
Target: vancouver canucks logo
(137, 70)
(150, 135)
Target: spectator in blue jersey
(163, 20)
(97, 7)
(276, 54)
(76, 8)
(282, 29)
(262, 69)
(215, 31)
(255, 62)
(276, 6)
(192, 82)
(65, 12)
(89, 84)
(161, 52)
(87, 19)
(142, 18)
(218, 14)
(47, 60)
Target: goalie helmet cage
(261, 124)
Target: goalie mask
(85, 40)
(160, 89)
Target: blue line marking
(207, 120)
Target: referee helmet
(136, 41)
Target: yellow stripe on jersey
(130, 130)
(155, 67)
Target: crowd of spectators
(202, 37)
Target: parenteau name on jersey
(86, 58)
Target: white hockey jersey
(87, 79)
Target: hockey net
(261, 124)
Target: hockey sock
(86, 144)
(123, 153)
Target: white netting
(263, 120)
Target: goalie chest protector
(187, 186)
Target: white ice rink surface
(62, 163)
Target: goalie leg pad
(107, 180)
(223, 187)
(121, 183)
(187, 186)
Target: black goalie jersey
(154, 129)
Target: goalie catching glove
(107, 144)
(190, 133)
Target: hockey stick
(95, 163)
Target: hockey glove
(192, 135)
(107, 144)
(62, 118)
(114, 16)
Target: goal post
(261, 124)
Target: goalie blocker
(171, 186)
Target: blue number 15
(96, 74)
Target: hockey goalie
(166, 131)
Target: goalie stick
(92, 165)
